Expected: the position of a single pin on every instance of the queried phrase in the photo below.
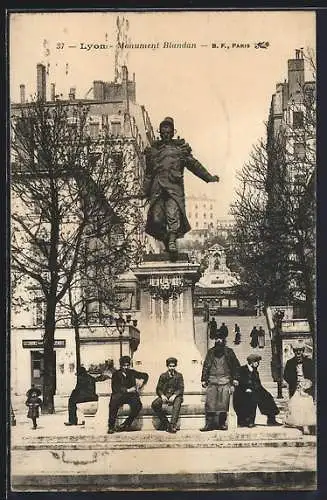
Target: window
(204, 215)
(196, 215)
(298, 119)
(196, 224)
(211, 216)
(299, 151)
(211, 207)
(94, 130)
(115, 128)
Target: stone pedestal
(166, 320)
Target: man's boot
(126, 425)
(271, 420)
(210, 423)
(163, 425)
(222, 421)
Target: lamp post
(120, 324)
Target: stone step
(84, 436)
(216, 468)
(290, 480)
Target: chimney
(98, 90)
(295, 75)
(41, 82)
(22, 94)
(53, 92)
(124, 73)
(72, 93)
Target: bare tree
(63, 183)
(274, 236)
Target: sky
(218, 97)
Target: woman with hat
(299, 374)
(250, 394)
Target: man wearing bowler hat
(163, 185)
(250, 394)
(170, 390)
(125, 390)
(219, 375)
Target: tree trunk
(77, 345)
(49, 374)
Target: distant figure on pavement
(237, 331)
(125, 390)
(34, 402)
(219, 374)
(84, 392)
(224, 330)
(212, 328)
(254, 337)
(261, 337)
(170, 390)
(250, 393)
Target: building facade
(290, 182)
(112, 112)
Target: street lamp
(120, 324)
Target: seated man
(125, 390)
(249, 393)
(84, 392)
(170, 390)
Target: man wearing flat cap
(170, 390)
(219, 375)
(163, 185)
(125, 390)
(250, 394)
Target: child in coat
(33, 402)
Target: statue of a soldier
(163, 186)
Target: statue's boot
(172, 246)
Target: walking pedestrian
(212, 328)
(237, 332)
(261, 338)
(170, 390)
(224, 329)
(34, 402)
(254, 337)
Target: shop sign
(29, 344)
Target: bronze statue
(163, 186)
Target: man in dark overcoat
(219, 375)
(164, 185)
(250, 394)
(84, 392)
(170, 390)
(125, 389)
